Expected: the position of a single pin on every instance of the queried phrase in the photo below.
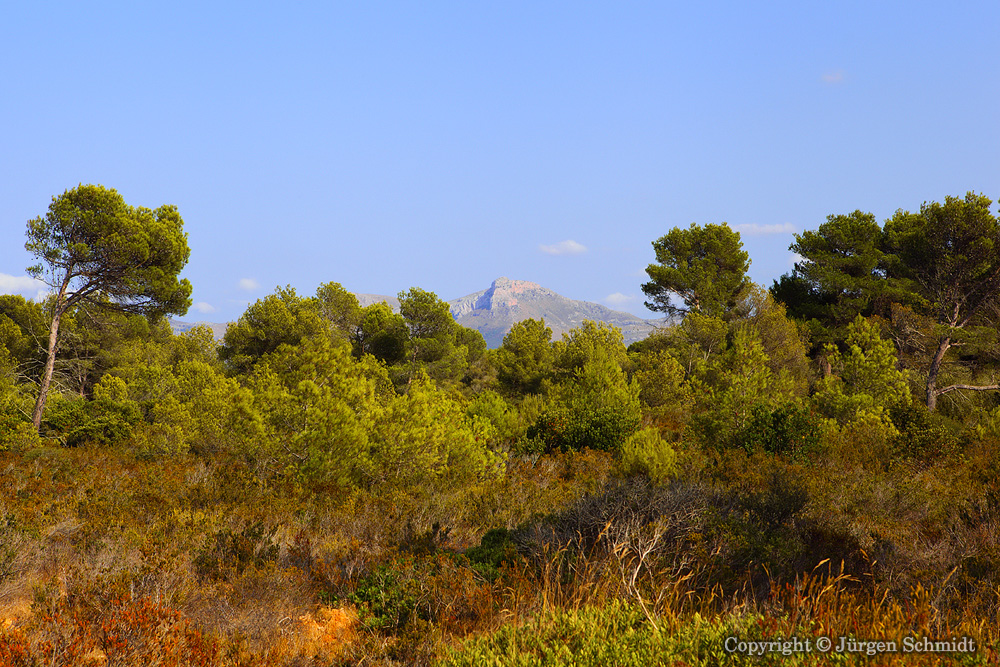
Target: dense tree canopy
(525, 359)
(941, 265)
(705, 266)
(96, 248)
(949, 255)
(282, 318)
(844, 270)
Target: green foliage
(645, 452)
(282, 318)
(867, 379)
(761, 522)
(340, 308)
(183, 397)
(988, 427)
(925, 436)
(319, 407)
(789, 429)
(22, 325)
(382, 334)
(495, 550)
(386, 601)
(943, 263)
(336, 423)
(16, 430)
(735, 384)
(96, 249)
(425, 439)
(696, 342)
(783, 341)
(526, 358)
(102, 421)
(704, 266)
(845, 272)
(666, 397)
(91, 240)
(312, 472)
(93, 340)
(433, 331)
(589, 342)
(616, 633)
(436, 344)
(949, 254)
(597, 408)
(491, 407)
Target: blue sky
(386, 145)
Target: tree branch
(970, 387)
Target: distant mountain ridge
(218, 328)
(494, 310)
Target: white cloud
(833, 76)
(568, 247)
(26, 286)
(248, 284)
(203, 307)
(795, 258)
(619, 299)
(753, 229)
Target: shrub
(647, 453)
(789, 429)
(102, 421)
(496, 549)
(614, 634)
(385, 599)
(233, 552)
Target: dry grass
(103, 558)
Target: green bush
(496, 549)
(385, 599)
(600, 428)
(102, 421)
(616, 634)
(789, 429)
(647, 453)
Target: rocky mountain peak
(504, 294)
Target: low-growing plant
(234, 551)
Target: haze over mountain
(494, 310)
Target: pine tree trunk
(50, 363)
(932, 373)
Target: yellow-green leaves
(337, 422)
(866, 378)
(426, 436)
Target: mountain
(218, 328)
(493, 311)
(368, 299)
